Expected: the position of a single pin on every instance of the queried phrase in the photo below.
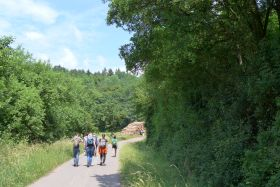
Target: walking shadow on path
(108, 180)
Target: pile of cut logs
(133, 128)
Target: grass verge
(119, 135)
(142, 166)
(22, 164)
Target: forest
(41, 103)
(212, 84)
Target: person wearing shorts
(102, 149)
(115, 144)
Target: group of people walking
(92, 146)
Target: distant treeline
(39, 102)
(212, 71)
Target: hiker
(76, 149)
(115, 144)
(102, 149)
(90, 148)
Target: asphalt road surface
(96, 175)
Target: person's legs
(115, 149)
(90, 152)
(104, 158)
(92, 158)
(100, 153)
(101, 156)
(104, 152)
(88, 156)
(76, 156)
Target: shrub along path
(96, 175)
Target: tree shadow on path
(108, 180)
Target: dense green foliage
(43, 103)
(212, 77)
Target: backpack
(102, 143)
(89, 141)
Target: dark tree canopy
(211, 71)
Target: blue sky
(70, 33)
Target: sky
(69, 33)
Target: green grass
(119, 136)
(22, 164)
(143, 166)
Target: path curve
(96, 175)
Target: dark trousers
(76, 152)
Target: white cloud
(122, 68)
(79, 40)
(64, 34)
(77, 33)
(86, 63)
(95, 64)
(33, 36)
(101, 61)
(34, 9)
(37, 41)
(68, 59)
(4, 24)
(43, 56)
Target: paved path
(96, 175)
